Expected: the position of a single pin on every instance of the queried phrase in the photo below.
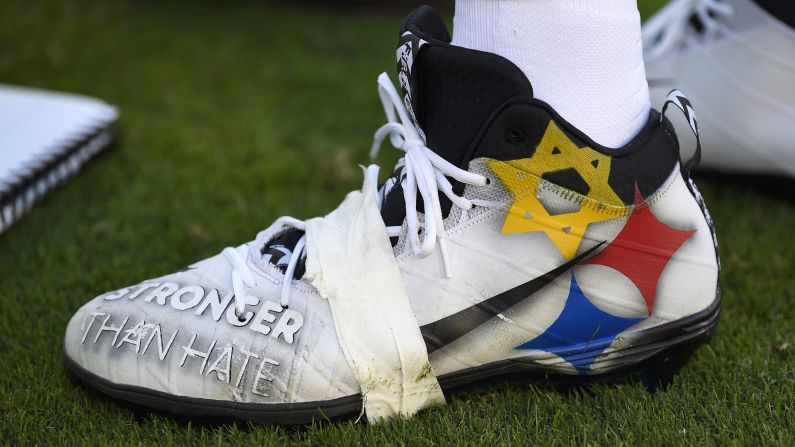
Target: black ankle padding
(646, 162)
(427, 23)
(781, 9)
(457, 90)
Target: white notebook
(45, 137)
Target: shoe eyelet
(514, 135)
(488, 181)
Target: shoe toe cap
(179, 335)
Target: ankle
(583, 57)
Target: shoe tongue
(280, 249)
(451, 91)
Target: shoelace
(425, 172)
(670, 28)
(242, 276)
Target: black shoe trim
(217, 411)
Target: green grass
(233, 115)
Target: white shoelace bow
(670, 29)
(424, 171)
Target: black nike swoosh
(452, 327)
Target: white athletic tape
(351, 263)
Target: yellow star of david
(522, 178)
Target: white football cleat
(505, 241)
(737, 62)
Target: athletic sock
(583, 57)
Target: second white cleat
(737, 64)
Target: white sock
(583, 57)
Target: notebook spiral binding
(34, 181)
